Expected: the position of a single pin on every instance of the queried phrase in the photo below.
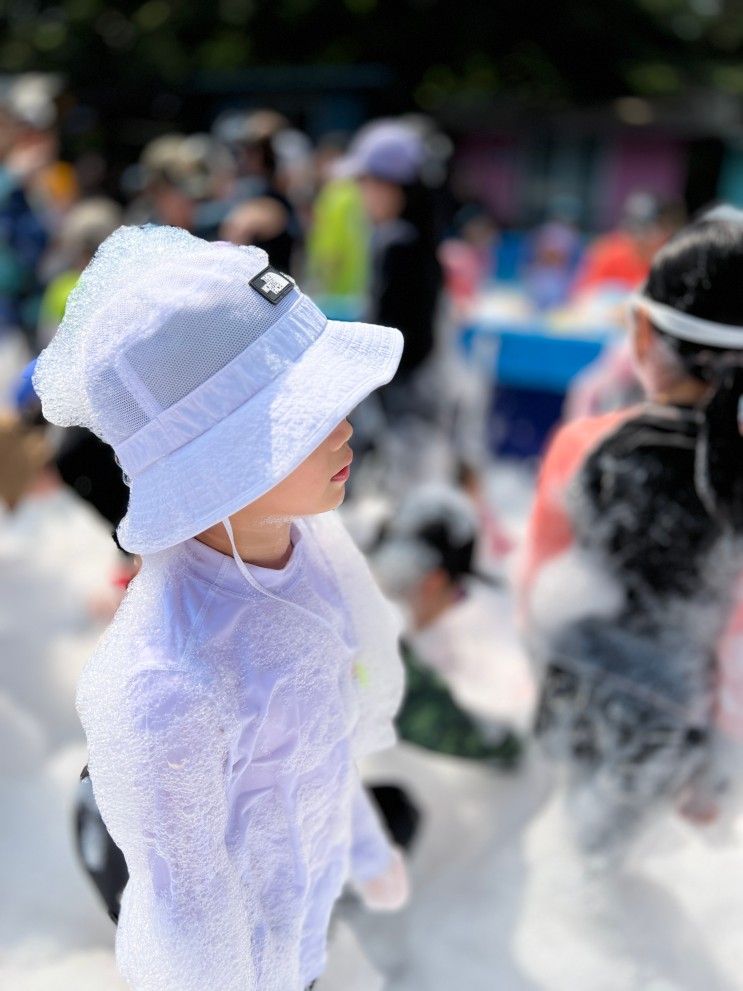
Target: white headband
(689, 328)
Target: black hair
(699, 272)
(266, 150)
(419, 209)
(455, 559)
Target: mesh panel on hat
(194, 344)
(130, 417)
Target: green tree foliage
(574, 50)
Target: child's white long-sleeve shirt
(223, 721)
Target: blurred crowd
(368, 224)
(364, 222)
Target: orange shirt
(613, 258)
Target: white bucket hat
(209, 373)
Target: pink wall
(650, 163)
(487, 169)
(496, 170)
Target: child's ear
(434, 582)
(642, 335)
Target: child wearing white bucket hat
(253, 660)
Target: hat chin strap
(242, 566)
(245, 570)
(254, 583)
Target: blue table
(532, 368)
(531, 355)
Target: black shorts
(599, 724)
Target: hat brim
(259, 444)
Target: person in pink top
(633, 558)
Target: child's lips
(343, 474)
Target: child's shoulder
(328, 534)
(586, 431)
(142, 679)
(161, 611)
(149, 639)
(337, 547)
(574, 441)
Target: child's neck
(686, 393)
(435, 606)
(265, 543)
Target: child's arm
(377, 868)
(371, 851)
(184, 923)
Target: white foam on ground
(500, 901)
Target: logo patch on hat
(272, 284)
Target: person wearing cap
(633, 556)
(469, 691)
(179, 181)
(387, 158)
(253, 661)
